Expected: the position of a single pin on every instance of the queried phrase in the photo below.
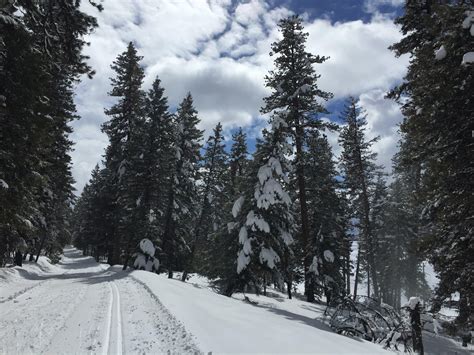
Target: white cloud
(219, 52)
(383, 118)
(359, 56)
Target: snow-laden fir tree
(263, 216)
(124, 155)
(159, 158)
(212, 197)
(437, 129)
(182, 196)
(327, 219)
(223, 245)
(40, 61)
(145, 256)
(359, 171)
(294, 97)
(57, 191)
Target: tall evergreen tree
(214, 178)
(40, 60)
(327, 221)
(89, 218)
(181, 202)
(263, 211)
(220, 263)
(158, 160)
(294, 97)
(359, 169)
(124, 158)
(437, 105)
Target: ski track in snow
(89, 310)
(114, 344)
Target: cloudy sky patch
(219, 51)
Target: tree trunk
(196, 238)
(368, 237)
(125, 264)
(357, 272)
(264, 285)
(308, 284)
(43, 239)
(366, 216)
(288, 288)
(368, 282)
(18, 258)
(463, 309)
(348, 273)
(416, 329)
(168, 234)
(114, 257)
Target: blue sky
(218, 50)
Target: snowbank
(230, 325)
(17, 280)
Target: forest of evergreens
(288, 211)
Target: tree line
(41, 60)
(290, 212)
(282, 215)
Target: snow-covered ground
(82, 307)
(79, 306)
(230, 325)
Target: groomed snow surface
(80, 306)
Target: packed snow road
(84, 308)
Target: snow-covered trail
(83, 308)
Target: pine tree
(57, 191)
(182, 192)
(263, 215)
(40, 61)
(124, 158)
(89, 219)
(220, 263)
(358, 167)
(158, 160)
(238, 159)
(437, 105)
(327, 223)
(214, 178)
(294, 97)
